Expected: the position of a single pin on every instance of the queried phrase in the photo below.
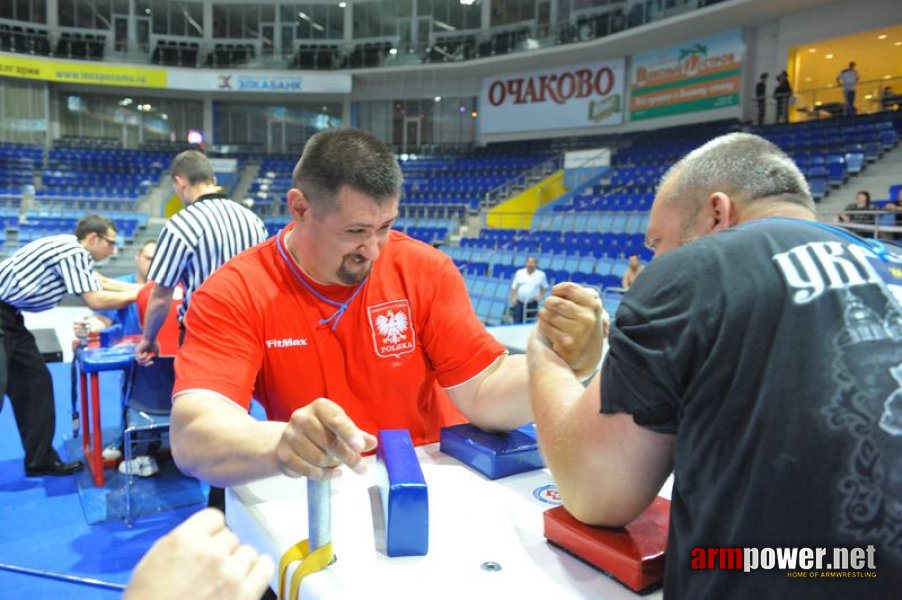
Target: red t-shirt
(253, 330)
(168, 336)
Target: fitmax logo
(286, 343)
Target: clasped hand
(574, 324)
(318, 439)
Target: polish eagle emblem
(392, 326)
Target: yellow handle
(311, 562)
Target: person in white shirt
(529, 285)
(848, 78)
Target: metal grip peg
(319, 512)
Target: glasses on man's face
(107, 240)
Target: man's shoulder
(66, 246)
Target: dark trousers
(782, 103)
(524, 312)
(25, 379)
(849, 108)
(761, 110)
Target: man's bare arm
(607, 468)
(104, 300)
(215, 440)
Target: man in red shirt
(341, 327)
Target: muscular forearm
(606, 467)
(499, 400)
(221, 444)
(555, 394)
(114, 285)
(104, 300)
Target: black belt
(8, 307)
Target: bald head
(746, 167)
(731, 179)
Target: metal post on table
(319, 512)
(315, 553)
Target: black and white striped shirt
(41, 273)
(201, 238)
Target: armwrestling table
(485, 537)
(91, 362)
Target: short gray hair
(744, 166)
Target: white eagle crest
(392, 326)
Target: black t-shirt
(773, 352)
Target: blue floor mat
(167, 490)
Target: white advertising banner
(266, 82)
(567, 97)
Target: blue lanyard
(341, 306)
(872, 245)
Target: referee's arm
(154, 317)
(107, 300)
(114, 285)
(157, 310)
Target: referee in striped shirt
(194, 242)
(35, 279)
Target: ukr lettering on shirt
(812, 269)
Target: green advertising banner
(699, 75)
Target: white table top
(472, 520)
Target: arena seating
(84, 46)
(230, 54)
(829, 151)
(41, 223)
(175, 53)
(82, 175)
(25, 40)
(316, 56)
(98, 178)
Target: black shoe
(57, 468)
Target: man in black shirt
(759, 357)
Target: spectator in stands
(889, 100)
(848, 79)
(527, 289)
(895, 206)
(769, 391)
(203, 560)
(632, 271)
(36, 278)
(127, 316)
(196, 241)
(853, 214)
(341, 327)
(761, 97)
(782, 96)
